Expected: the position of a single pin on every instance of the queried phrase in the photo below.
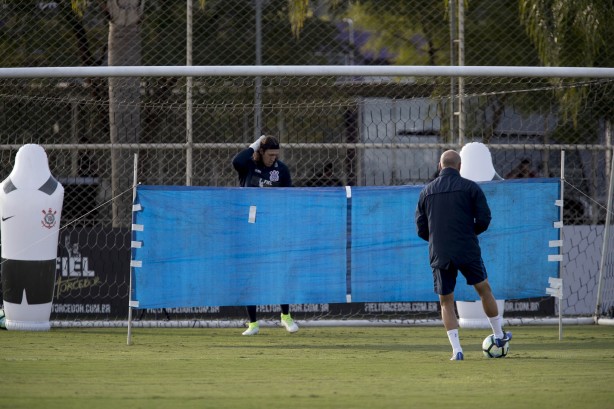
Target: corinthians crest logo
(49, 218)
(274, 176)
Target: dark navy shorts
(444, 279)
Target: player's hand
(256, 145)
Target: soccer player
(259, 166)
(451, 212)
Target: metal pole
(608, 144)
(303, 70)
(604, 247)
(351, 42)
(188, 102)
(561, 212)
(461, 80)
(452, 108)
(134, 182)
(258, 79)
(74, 133)
(395, 119)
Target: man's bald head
(450, 159)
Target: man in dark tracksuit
(259, 166)
(452, 211)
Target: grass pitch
(405, 367)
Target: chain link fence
(348, 130)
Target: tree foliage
(574, 33)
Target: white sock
(454, 341)
(496, 323)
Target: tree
(573, 33)
(418, 33)
(568, 33)
(124, 98)
(410, 32)
(577, 33)
(124, 49)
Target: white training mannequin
(31, 167)
(476, 163)
(30, 206)
(30, 210)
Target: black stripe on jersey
(9, 186)
(49, 187)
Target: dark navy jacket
(252, 174)
(451, 212)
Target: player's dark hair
(269, 142)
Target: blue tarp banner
(204, 246)
(391, 263)
(200, 248)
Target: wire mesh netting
(362, 131)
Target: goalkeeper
(451, 212)
(259, 166)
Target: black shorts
(444, 279)
(35, 278)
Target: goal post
(369, 125)
(605, 287)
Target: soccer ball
(491, 350)
(2, 319)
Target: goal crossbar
(322, 70)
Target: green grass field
(318, 367)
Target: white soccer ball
(2, 319)
(491, 350)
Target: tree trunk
(124, 101)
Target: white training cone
(30, 208)
(476, 163)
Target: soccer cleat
(252, 329)
(458, 357)
(500, 342)
(288, 322)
